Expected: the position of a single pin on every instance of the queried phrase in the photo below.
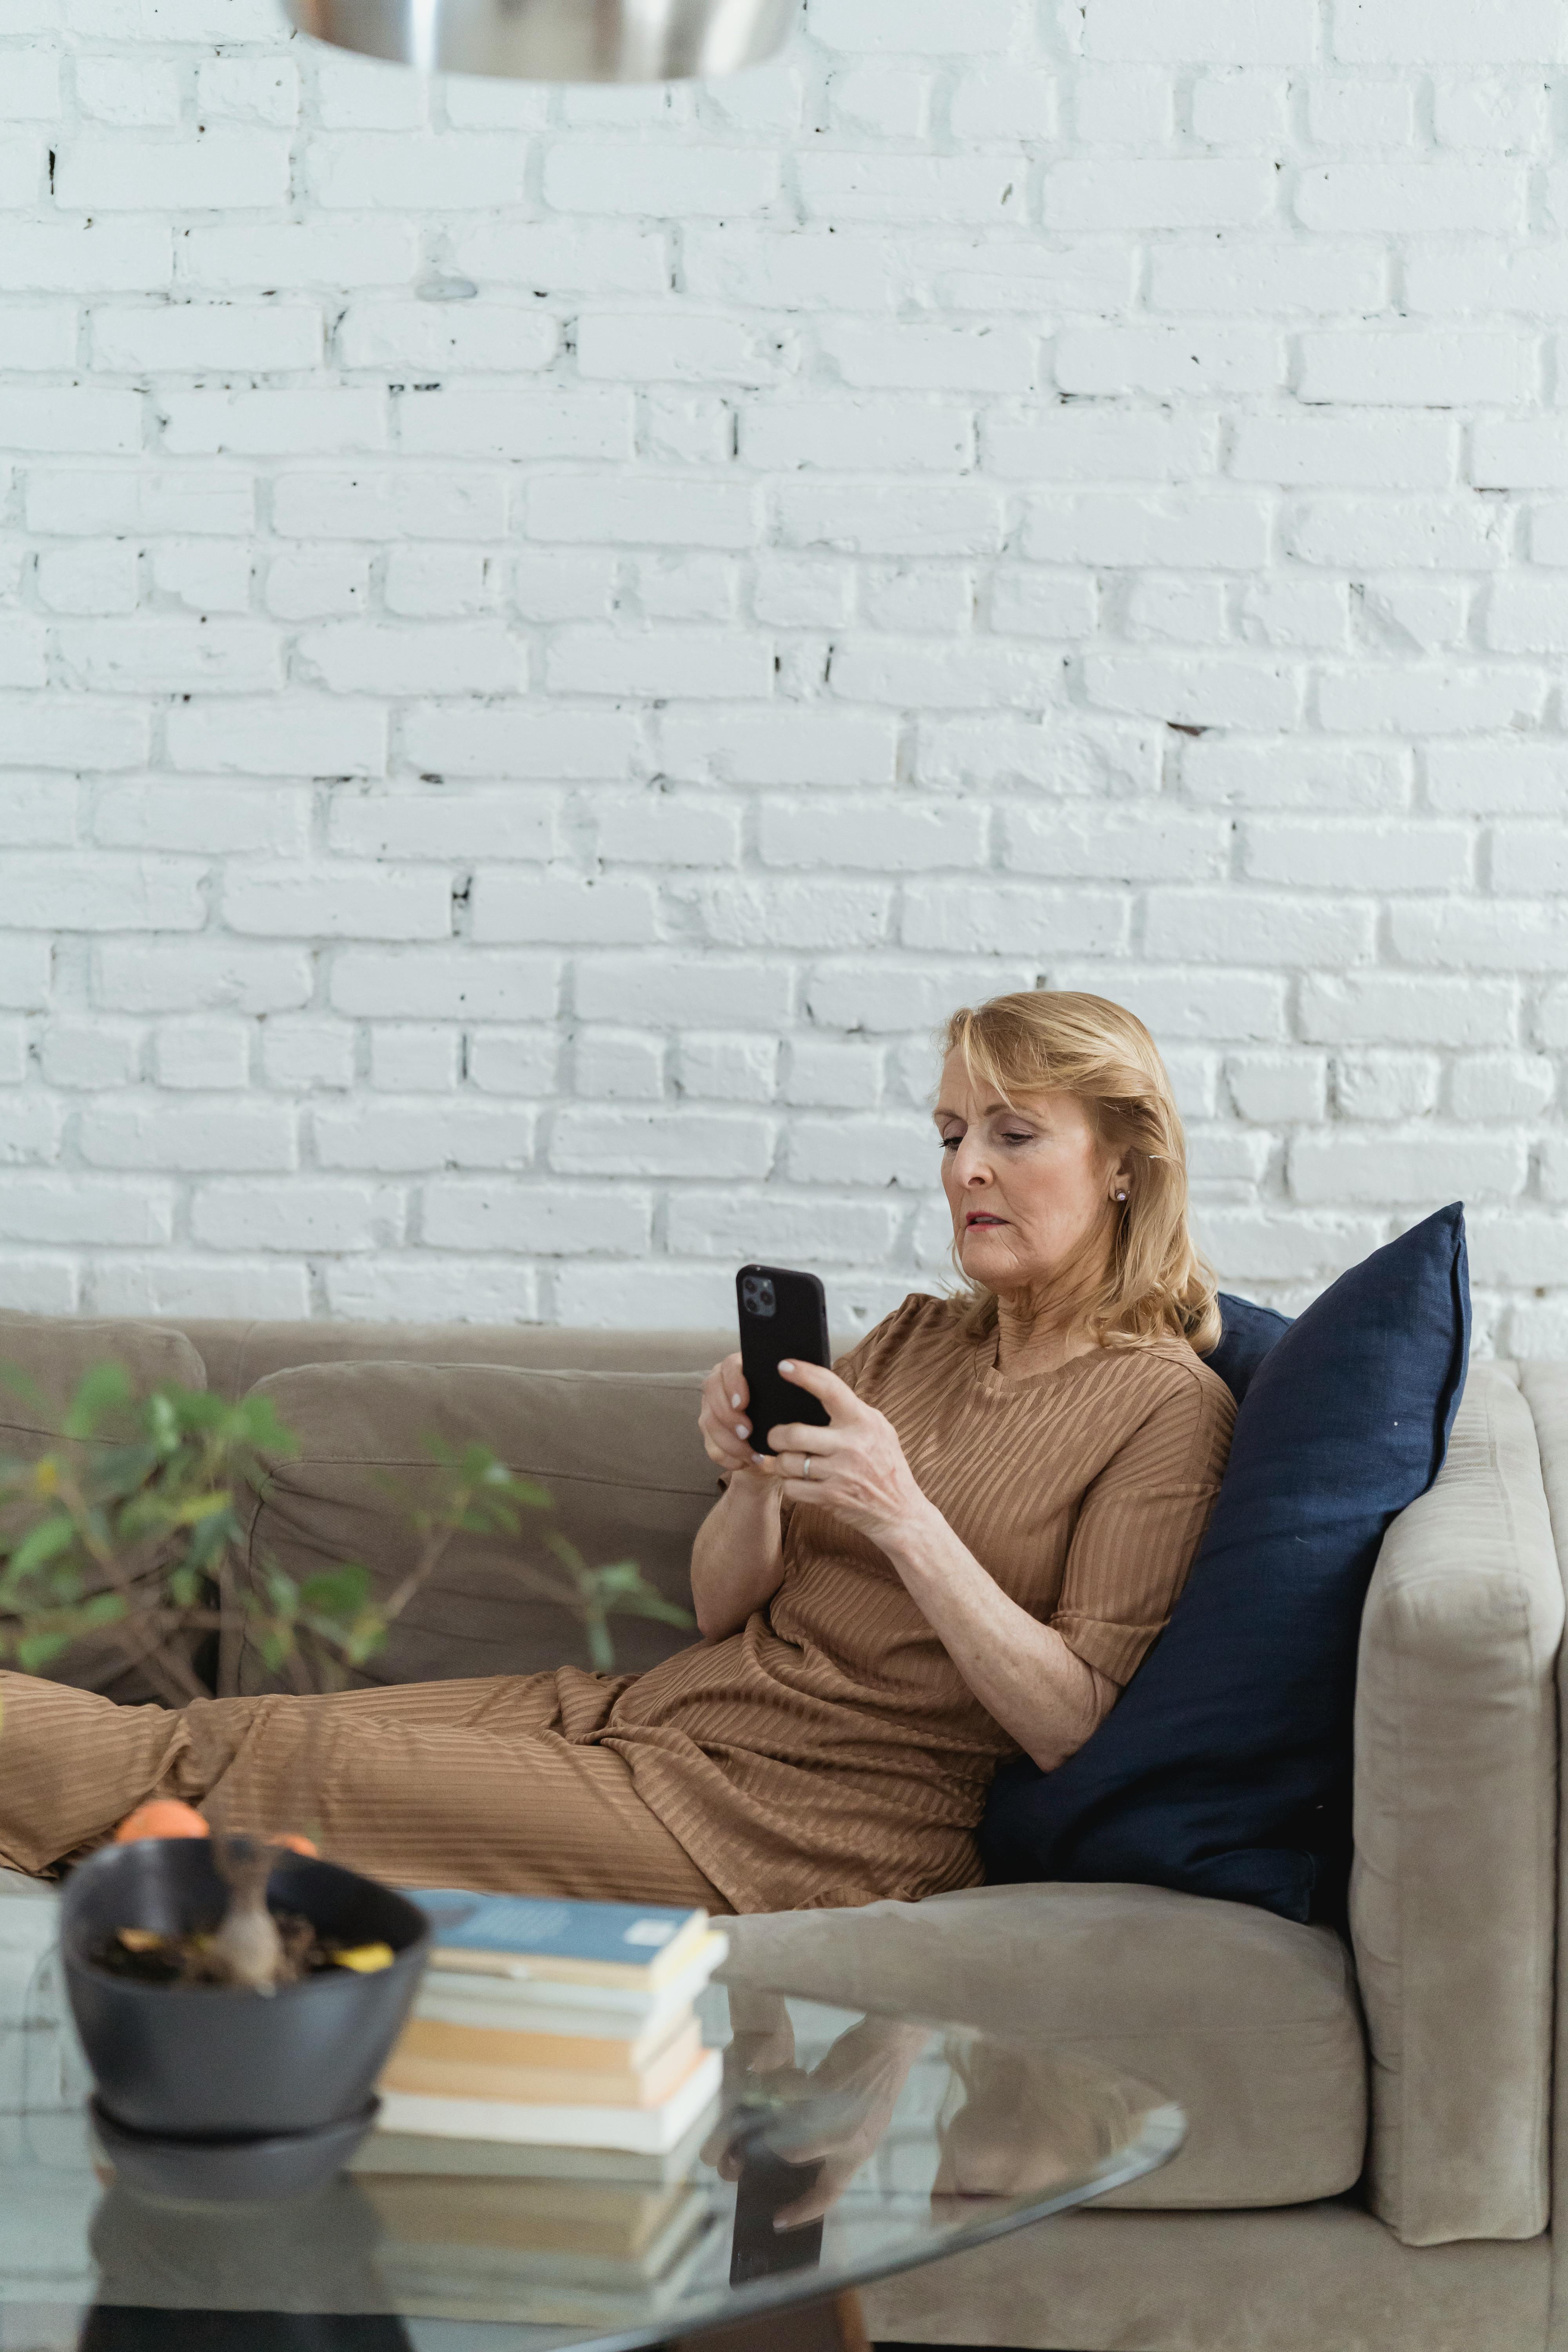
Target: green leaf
(620, 1576)
(21, 1596)
(46, 1541)
(565, 1551)
(211, 1540)
(34, 1651)
(654, 1604)
(526, 1492)
(337, 1592)
(162, 1420)
(188, 1509)
(281, 1589)
(198, 1413)
(257, 1425)
(103, 1609)
(621, 1587)
(357, 1643)
(103, 1389)
(486, 1515)
(192, 1411)
(123, 1470)
(56, 1584)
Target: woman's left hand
(863, 2073)
(855, 1467)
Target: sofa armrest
(1544, 1387)
(1453, 1895)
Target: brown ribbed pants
(428, 1784)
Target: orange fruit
(295, 1844)
(161, 1817)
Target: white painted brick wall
(548, 636)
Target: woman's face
(1030, 1186)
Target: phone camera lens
(757, 1294)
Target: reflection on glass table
(844, 2147)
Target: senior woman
(971, 1558)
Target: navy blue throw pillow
(1225, 1768)
(1246, 1334)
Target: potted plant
(231, 1993)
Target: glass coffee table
(844, 2147)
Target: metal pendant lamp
(555, 41)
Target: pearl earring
(1121, 1196)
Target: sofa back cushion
(1453, 1892)
(1247, 1333)
(618, 1451)
(51, 1352)
(1224, 1768)
(237, 1354)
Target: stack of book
(551, 2023)
(541, 2249)
(542, 2112)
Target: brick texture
(548, 635)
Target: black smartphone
(767, 2184)
(784, 1317)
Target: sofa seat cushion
(1248, 2021)
(1319, 2278)
(618, 1453)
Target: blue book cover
(547, 1927)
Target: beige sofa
(1371, 2140)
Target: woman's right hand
(737, 1559)
(723, 1421)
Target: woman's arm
(1136, 1533)
(737, 1559)
(1022, 1672)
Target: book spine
(562, 2027)
(531, 1969)
(580, 1967)
(648, 2131)
(512, 1983)
(483, 2043)
(449, 2078)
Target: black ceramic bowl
(204, 2061)
(250, 2170)
(264, 2277)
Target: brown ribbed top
(830, 1752)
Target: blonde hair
(1056, 1041)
